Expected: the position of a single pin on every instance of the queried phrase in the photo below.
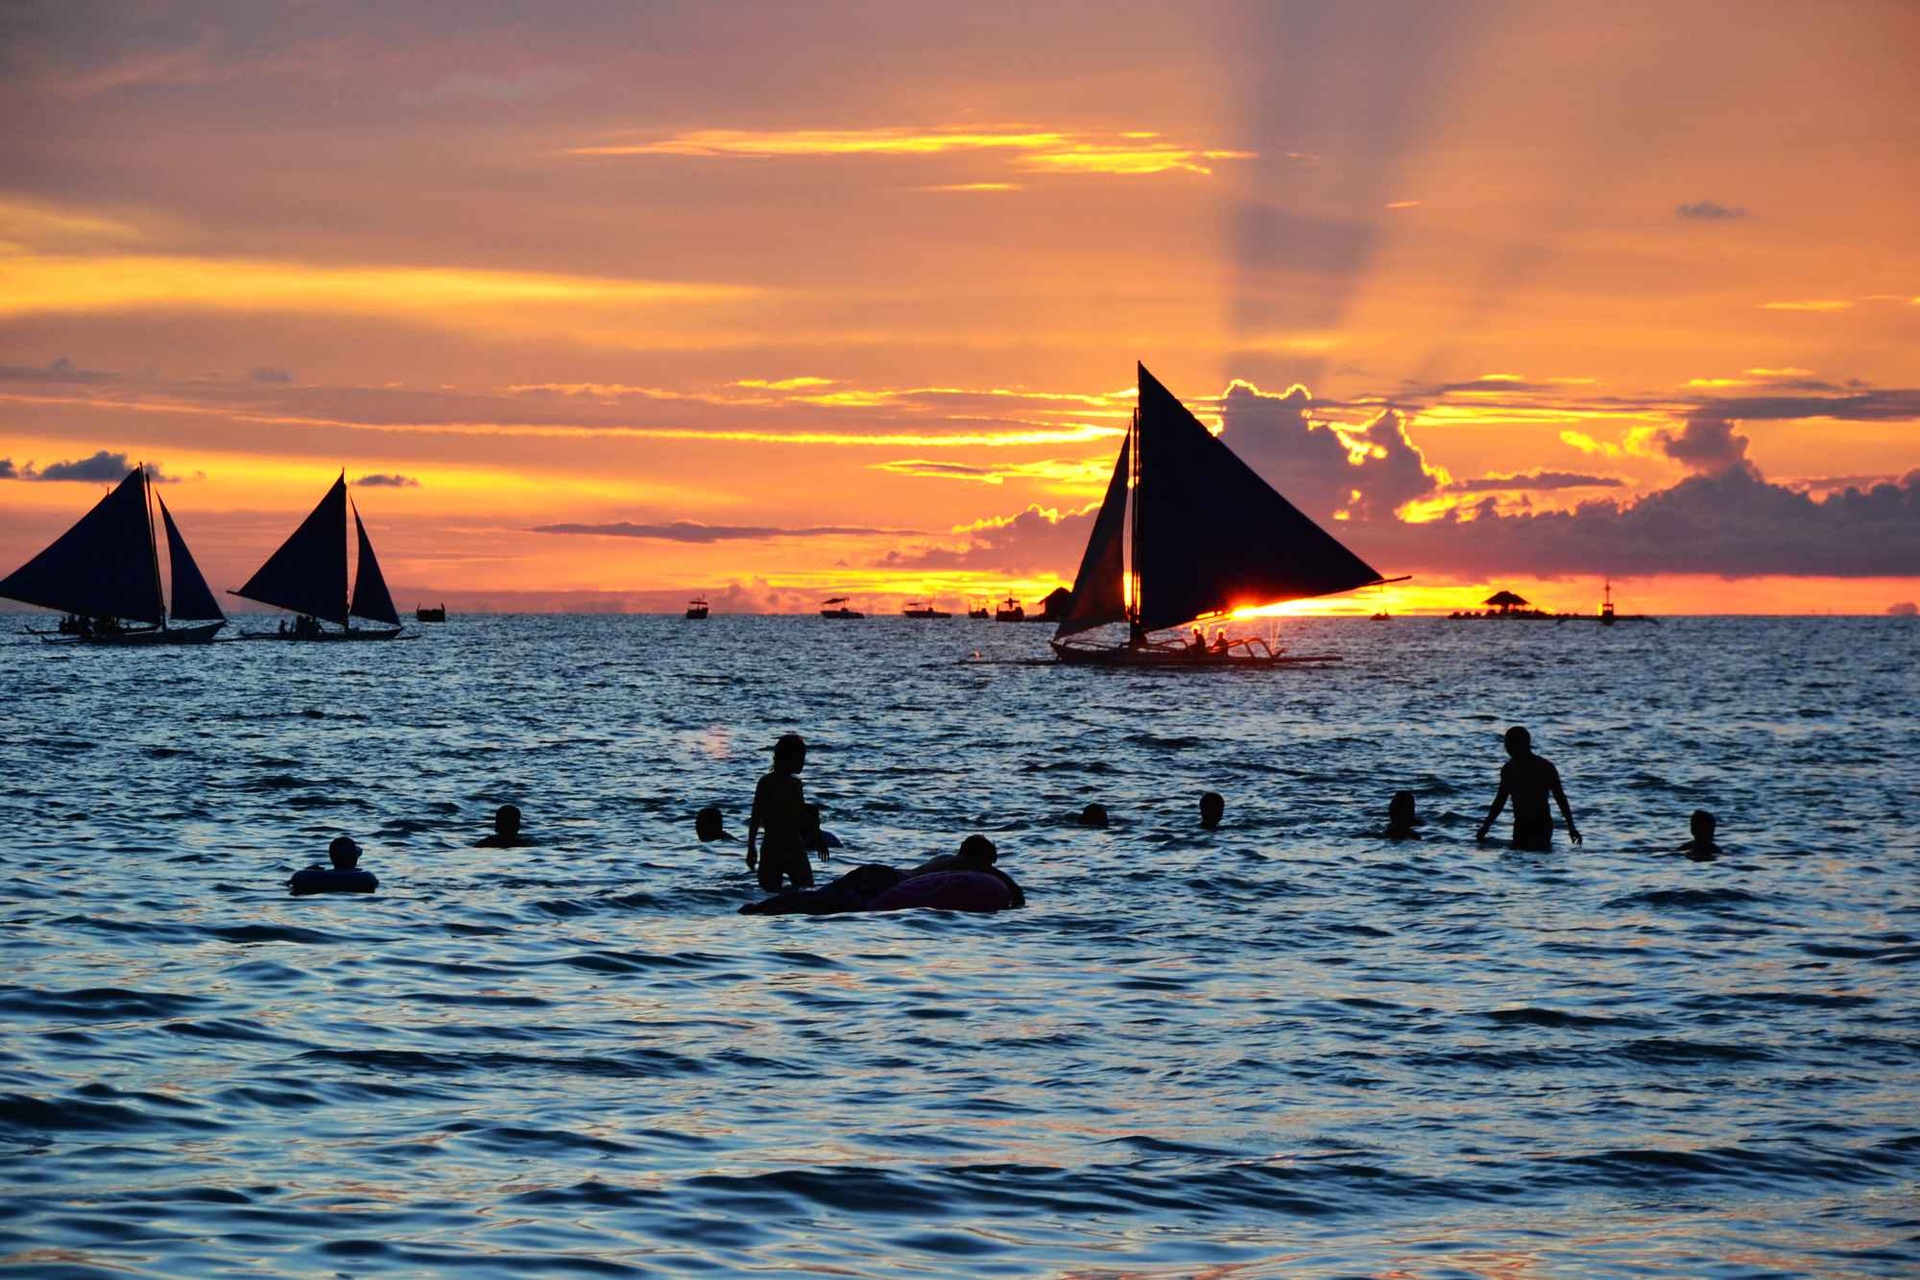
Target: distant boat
(104, 573)
(1010, 611)
(1188, 532)
(980, 614)
(915, 609)
(434, 613)
(307, 577)
(696, 610)
(838, 610)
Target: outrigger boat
(104, 574)
(1188, 533)
(980, 614)
(915, 609)
(837, 609)
(307, 577)
(1010, 611)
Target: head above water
(707, 824)
(1519, 741)
(979, 849)
(1400, 810)
(506, 820)
(1703, 825)
(1094, 815)
(790, 753)
(1213, 807)
(343, 853)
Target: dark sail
(308, 574)
(1099, 589)
(370, 596)
(1211, 535)
(103, 567)
(192, 601)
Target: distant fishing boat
(980, 614)
(915, 609)
(1189, 532)
(307, 577)
(430, 613)
(696, 610)
(104, 573)
(837, 609)
(1010, 611)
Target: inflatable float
(881, 888)
(317, 879)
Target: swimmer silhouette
(708, 825)
(977, 854)
(1213, 807)
(1701, 848)
(343, 876)
(1401, 817)
(1528, 780)
(506, 830)
(1094, 815)
(780, 809)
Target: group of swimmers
(783, 828)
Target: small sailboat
(104, 574)
(837, 609)
(307, 577)
(915, 609)
(696, 610)
(1010, 611)
(1189, 532)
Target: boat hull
(147, 638)
(1159, 658)
(325, 637)
(842, 615)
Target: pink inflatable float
(946, 891)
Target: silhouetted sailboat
(307, 576)
(1188, 531)
(104, 573)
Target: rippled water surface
(1287, 1047)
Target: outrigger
(1189, 534)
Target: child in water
(780, 809)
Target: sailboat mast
(153, 546)
(1130, 581)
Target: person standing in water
(1528, 780)
(780, 810)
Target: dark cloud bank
(1723, 518)
(100, 468)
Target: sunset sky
(608, 305)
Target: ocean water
(1283, 1048)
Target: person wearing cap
(1529, 780)
(789, 823)
(344, 876)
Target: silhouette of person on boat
(1529, 781)
(790, 825)
(1403, 820)
(506, 830)
(1702, 847)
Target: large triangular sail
(371, 599)
(1099, 589)
(308, 574)
(192, 600)
(103, 567)
(1210, 535)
